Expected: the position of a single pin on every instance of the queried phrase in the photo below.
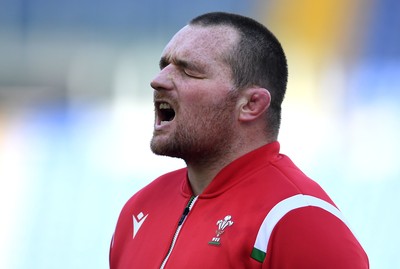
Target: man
(239, 203)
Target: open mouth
(165, 112)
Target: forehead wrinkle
(199, 48)
(186, 64)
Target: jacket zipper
(186, 211)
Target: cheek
(198, 96)
(207, 94)
(195, 96)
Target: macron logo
(137, 222)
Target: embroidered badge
(222, 225)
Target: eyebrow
(165, 61)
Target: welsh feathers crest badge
(222, 225)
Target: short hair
(257, 60)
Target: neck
(200, 176)
(201, 173)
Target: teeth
(164, 106)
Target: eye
(192, 74)
(187, 73)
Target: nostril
(164, 80)
(160, 83)
(155, 84)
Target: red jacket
(260, 211)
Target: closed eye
(192, 74)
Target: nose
(163, 80)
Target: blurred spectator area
(76, 115)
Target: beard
(201, 135)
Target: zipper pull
(184, 214)
(186, 210)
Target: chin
(162, 148)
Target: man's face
(193, 95)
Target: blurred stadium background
(76, 115)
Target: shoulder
(304, 231)
(164, 183)
(168, 180)
(165, 186)
(286, 175)
(315, 237)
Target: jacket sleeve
(311, 238)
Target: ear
(253, 103)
